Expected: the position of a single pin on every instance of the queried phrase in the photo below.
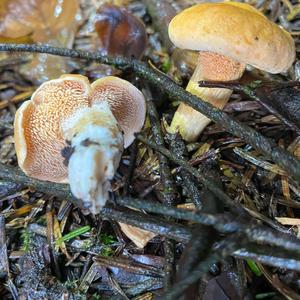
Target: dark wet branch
(134, 218)
(131, 167)
(225, 248)
(9, 173)
(288, 247)
(250, 92)
(185, 165)
(222, 223)
(168, 185)
(6, 125)
(203, 237)
(128, 265)
(280, 260)
(157, 225)
(4, 264)
(177, 146)
(169, 193)
(249, 135)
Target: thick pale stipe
(210, 66)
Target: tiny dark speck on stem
(66, 154)
(88, 142)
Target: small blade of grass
(73, 234)
(265, 295)
(259, 162)
(253, 267)
(295, 11)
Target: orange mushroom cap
(39, 138)
(236, 30)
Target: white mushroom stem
(210, 66)
(97, 144)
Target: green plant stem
(73, 234)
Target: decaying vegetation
(223, 212)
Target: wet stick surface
(249, 135)
(222, 223)
(168, 186)
(173, 202)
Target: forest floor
(219, 217)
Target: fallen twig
(225, 247)
(168, 193)
(250, 92)
(249, 135)
(185, 165)
(6, 125)
(177, 146)
(254, 232)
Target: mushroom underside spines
(38, 129)
(52, 122)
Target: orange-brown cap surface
(236, 30)
(38, 135)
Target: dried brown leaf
(42, 19)
(139, 236)
(53, 22)
(288, 221)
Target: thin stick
(164, 169)
(185, 165)
(246, 90)
(226, 247)
(249, 135)
(254, 232)
(169, 193)
(6, 125)
(178, 147)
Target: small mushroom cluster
(73, 131)
(228, 36)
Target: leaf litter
(52, 249)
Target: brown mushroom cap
(236, 30)
(120, 32)
(38, 135)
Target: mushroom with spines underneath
(228, 36)
(70, 116)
